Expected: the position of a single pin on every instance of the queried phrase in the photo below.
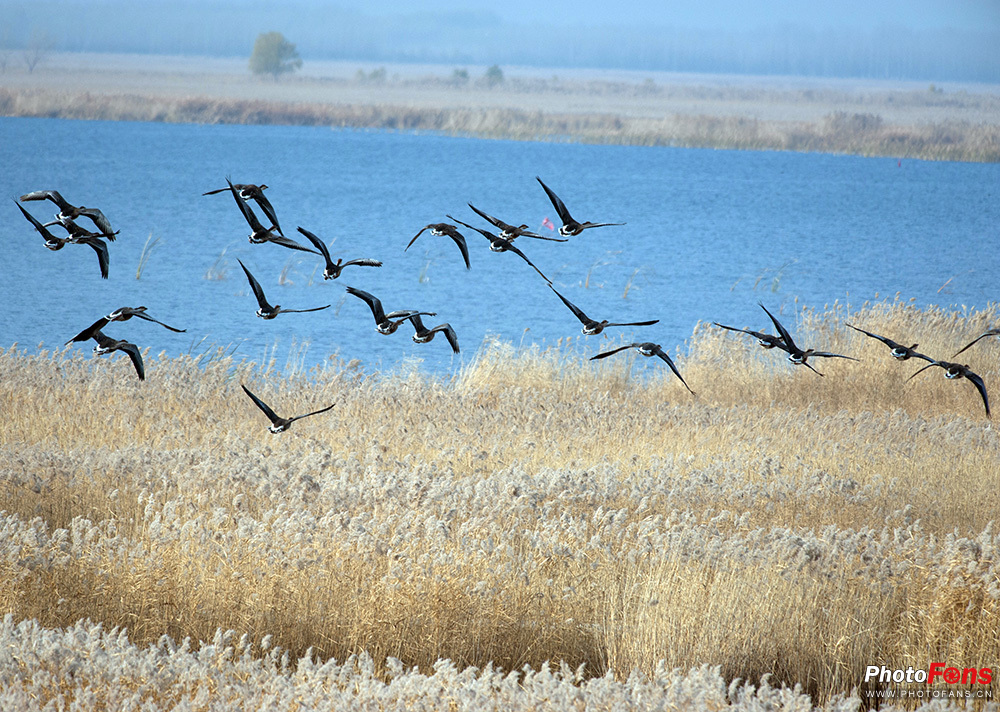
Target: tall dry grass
(535, 507)
(838, 132)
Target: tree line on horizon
(332, 33)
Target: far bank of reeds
(838, 132)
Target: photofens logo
(938, 672)
(956, 681)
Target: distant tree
(274, 55)
(494, 76)
(460, 77)
(37, 49)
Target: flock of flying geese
(388, 322)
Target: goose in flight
(510, 232)
(279, 424)
(498, 244)
(897, 350)
(955, 371)
(72, 212)
(647, 348)
(385, 323)
(57, 243)
(441, 229)
(591, 326)
(266, 311)
(259, 234)
(766, 341)
(51, 241)
(106, 345)
(249, 191)
(423, 334)
(795, 354)
(570, 227)
(126, 313)
(333, 269)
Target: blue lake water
(708, 235)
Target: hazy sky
(933, 40)
(722, 14)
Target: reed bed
(837, 132)
(537, 531)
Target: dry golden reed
(838, 132)
(533, 507)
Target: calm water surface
(708, 235)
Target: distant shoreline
(723, 113)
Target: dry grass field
(870, 118)
(630, 543)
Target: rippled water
(708, 235)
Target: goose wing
(449, 334)
(372, 301)
(289, 243)
(557, 203)
(319, 244)
(265, 205)
(247, 211)
(142, 315)
(42, 230)
(258, 292)
(509, 247)
(101, 248)
(605, 354)
(98, 218)
(577, 312)
(414, 238)
(785, 336)
(133, 353)
(315, 412)
(52, 195)
(300, 311)
(658, 351)
(363, 262)
(91, 331)
(980, 385)
(271, 415)
(991, 332)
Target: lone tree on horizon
(274, 55)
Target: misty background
(933, 40)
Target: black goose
(279, 424)
(78, 232)
(442, 229)
(126, 313)
(510, 232)
(767, 341)
(498, 244)
(570, 227)
(423, 334)
(67, 211)
(249, 191)
(333, 269)
(898, 351)
(591, 326)
(795, 354)
(647, 348)
(51, 241)
(955, 371)
(385, 323)
(259, 234)
(106, 345)
(57, 243)
(266, 311)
